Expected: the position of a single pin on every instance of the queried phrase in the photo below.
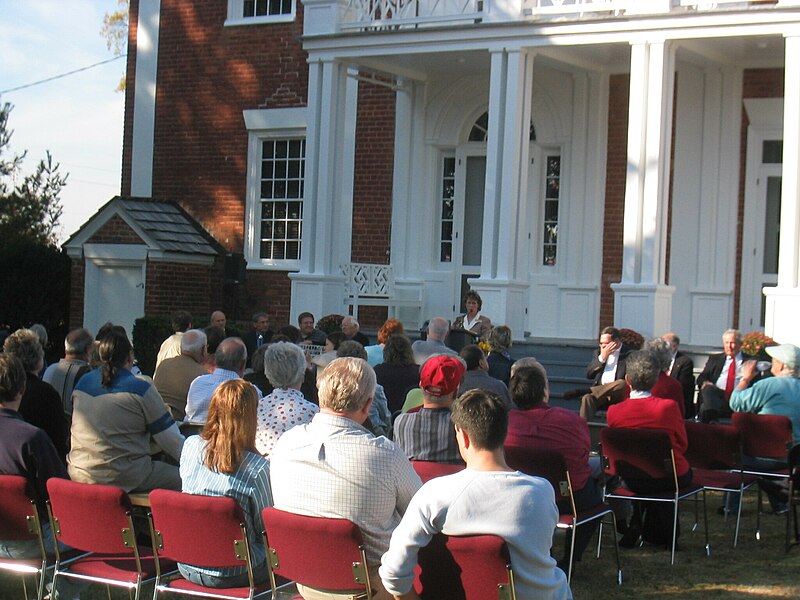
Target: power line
(62, 75)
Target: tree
(115, 30)
(30, 209)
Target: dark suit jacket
(713, 369)
(683, 371)
(251, 342)
(595, 369)
(360, 338)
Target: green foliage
(115, 31)
(148, 334)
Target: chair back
(712, 446)
(765, 436)
(428, 470)
(637, 453)
(19, 519)
(548, 464)
(319, 552)
(91, 517)
(794, 468)
(475, 567)
(204, 531)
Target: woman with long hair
(390, 327)
(398, 373)
(222, 461)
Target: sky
(78, 118)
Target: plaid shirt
(427, 434)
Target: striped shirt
(249, 484)
(201, 390)
(427, 434)
(333, 467)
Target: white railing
(368, 14)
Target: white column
(506, 191)
(782, 322)
(328, 202)
(642, 301)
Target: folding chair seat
(550, 465)
(713, 454)
(19, 521)
(765, 437)
(318, 552)
(97, 519)
(794, 497)
(428, 470)
(647, 454)
(475, 567)
(203, 531)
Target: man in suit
(682, 369)
(258, 336)
(720, 377)
(607, 369)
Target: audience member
(222, 461)
(171, 347)
(116, 418)
(174, 375)
(218, 319)
(258, 336)
(437, 333)
(350, 328)
(256, 376)
(398, 372)
(308, 333)
(499, 359)
(473, 321)
(485, 498)
(666, 386)
(229, 362)
(332, 342)
(607, 370)
(720, 377)
(427, 434)
(681, 367)
(389, 328)
(477, 376)
(285, 407)
(41, 405)
(345, 471)
(380, 419)
(214, 337)
(64, 374)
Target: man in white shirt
(229, 360)
(720, 377)
(607, 369)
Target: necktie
(731, 379)
(259, 340)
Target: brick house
(577, 163)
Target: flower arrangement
(632, 339)
(755, 342)
(330, 323)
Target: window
(552, 197)
(446, 201)
(254, 12)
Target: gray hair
(193, 341)
(351, 320)
(734, 332)
(661, 351)
(284, 364)
(529, 361)
(231, 354)
(352, 349)
(258, 315)
(78, 341)
(41, 332)
(438, 327)
(642, 370)
(346, 385)
(25, 345)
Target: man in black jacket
(682, 369)
(720, 377)
(607, 369)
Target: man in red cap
(428, 434)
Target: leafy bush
(148, 334)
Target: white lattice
(362, 279)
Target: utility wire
(62, 75)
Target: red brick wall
(268, 291)
(616, 168)
(172, 286)
(130, 88)
(116, 231)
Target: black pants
(655, 519)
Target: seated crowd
(323, 433)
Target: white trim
(264, 119)
(116, 254)
(236, 17)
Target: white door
(468, 220)
(114, 287)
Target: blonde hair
(230, 430)
(346, 385)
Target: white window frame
(236, 15)
(262, 125)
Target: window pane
(772, 152)
(282, 170)
(552, 194)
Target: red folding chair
(203, 531)
(475, 567)
(98, 519)
(647, 454)
(550, 465)
(19, 521)
(713, 454)
(428, 470)
(794, 497)
(317, 552)
(766, 437)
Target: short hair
(672, 337)
(214, 337)
(113, 350)
(181, 321)
(527, 387)
(257, 360)
(641, 370)
(529, 361)
(12, 378)
(483, 415)
(438, 326)
(472, 355)
(259, 315)
(397, 351)
(390, 327)
(305, 315)
(352, 349)
(78, 341)
(661, 351)
(230, 429)
(231, 354)
(284, 364)
(193, 341)
(734, 332)
(350, 319)
(612, 331)
(499, 338)
(336, 338)
(473, 295)
(291, 332)
(25, 345)
(41, 332)
(346, 384)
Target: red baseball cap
(441, 375)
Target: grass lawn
(755, 570)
